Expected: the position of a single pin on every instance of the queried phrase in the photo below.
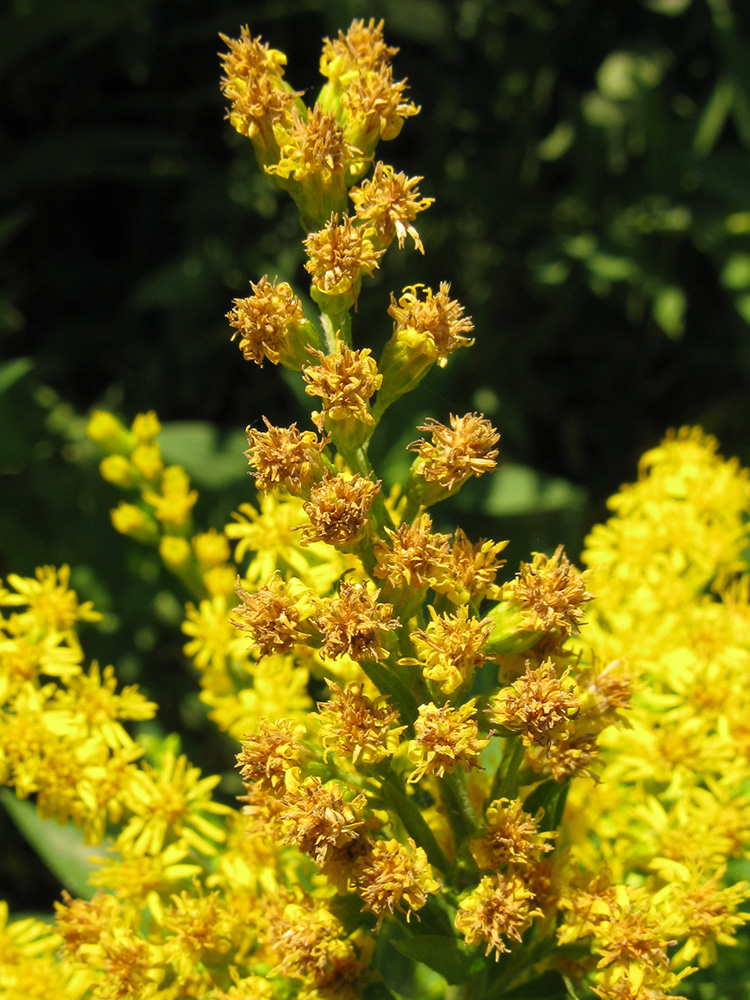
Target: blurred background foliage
(589, 163)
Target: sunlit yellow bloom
(171, 801)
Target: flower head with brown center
(338, 509)
(511, 837)
(312, 945)
(375, 106)
(358, 726)
(499, 908)
(345, 381)
(314, 145)
(393, 877)
(540, 705)
(352, 624)
(445, 738)
(271, 324)
(449, 650)
(270, 758)
(284, 456)
(338, 255)
(456, 453)
(391, 202)
(436, 322)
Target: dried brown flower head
(352, 624)
(540, 705)
(339, 508)
(339, 254)
(375, 106)
(345, 381)
(392, 877)
(253, 83)
(391, 202)
(358, 726)
(437, 322)
(550, 591)
(315, 145)
(499, 908)
(456, 453)
(273, 616)
(362, 47)
(450, 648)
(266, 320)
(270, 758)
(468, 571)
(284, 456)
(411, 557)
(511, 837)
(446, 738)
(317, 819)
(312, 945)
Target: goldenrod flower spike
(443, 779)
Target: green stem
(458, 807)
(505, 783)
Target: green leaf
(443, 955)
(550, 796)
(669, 311)
(12, 371)
(60, 847)
(196, 447)
(549, 986)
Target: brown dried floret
(345, 381)
(392, 877)
(411, 557)
(456, 453)
(265, 319)
(445, 738)
(339, 254)
(339, 508)
(540, 705)
(273, 616)
(284, 456)
(391, 202)
(550, 591)
(352, 624)
(358, 726)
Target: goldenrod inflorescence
(495, 779)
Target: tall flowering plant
(456, 783)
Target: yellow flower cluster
(433, 761)
(671, 810)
